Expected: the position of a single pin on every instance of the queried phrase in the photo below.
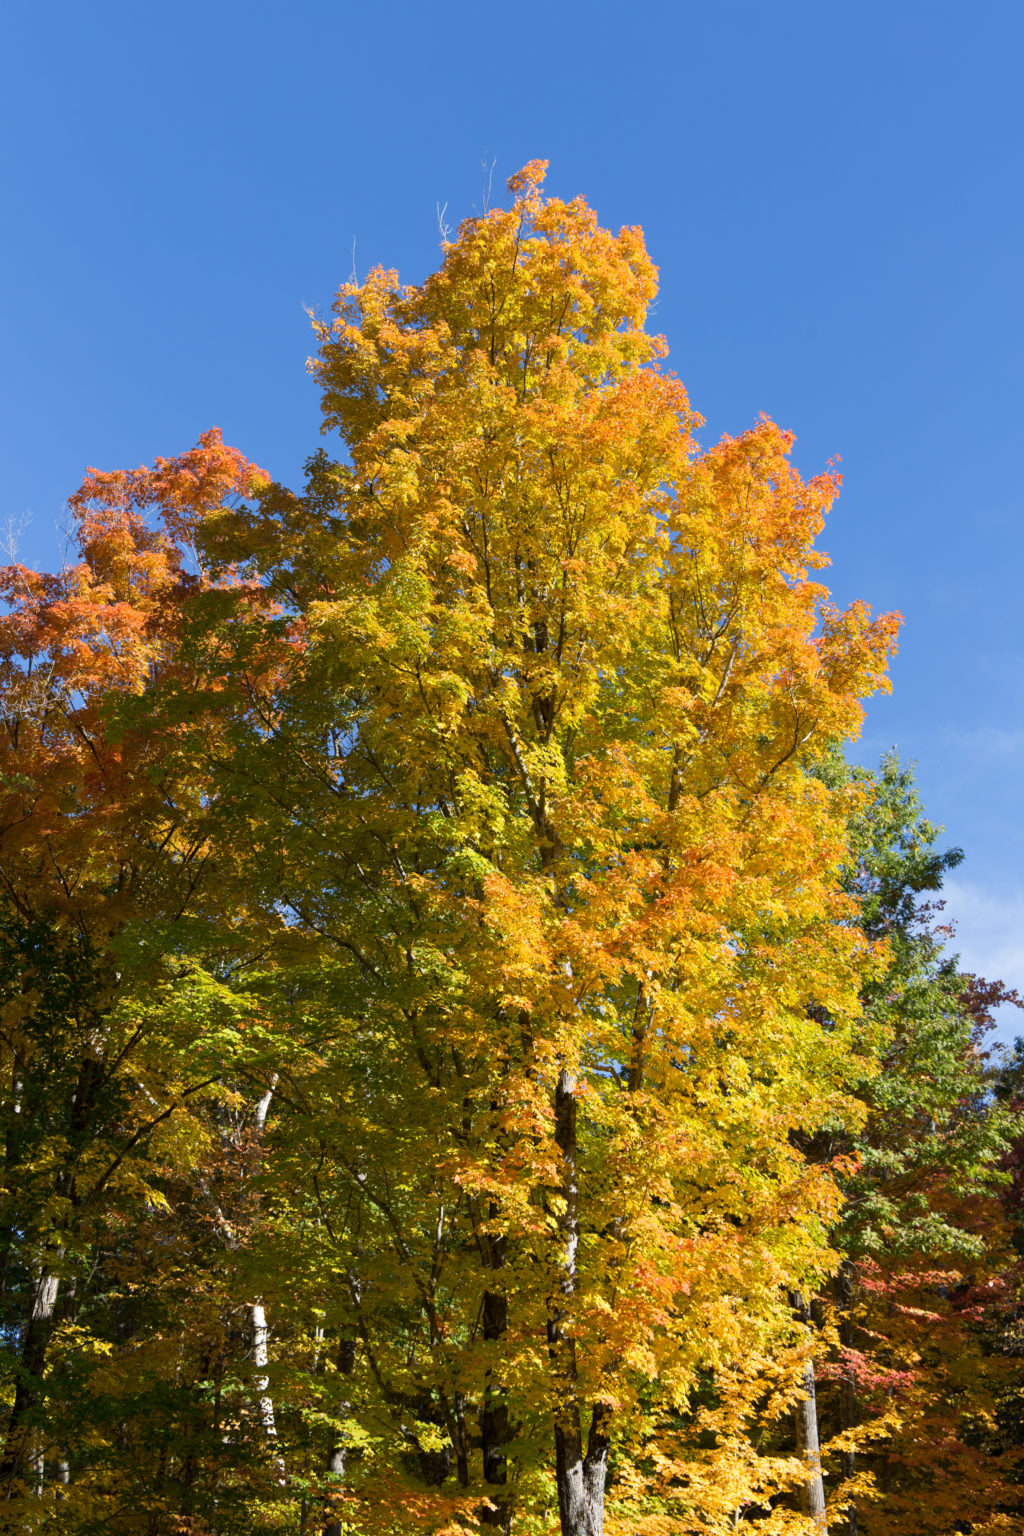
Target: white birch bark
(812, 1490)
(258, 1323)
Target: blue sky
(831, 190)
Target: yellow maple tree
(542, 797)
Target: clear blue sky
(831, 190)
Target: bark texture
(580, 1473)
(812, 1492)
(494, 1427)
(35, 1344)
(258, 1321)
(338, 1456)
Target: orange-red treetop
(81, 804)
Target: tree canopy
(473, 1054)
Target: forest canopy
(474, 1054)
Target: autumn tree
(570, 968)
(103, 866)
(911, 1392)
(443, 991)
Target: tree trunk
(37, 1463)
(35, 1344)
(264, 1401)
(495, 1428)
(580, 1476)
(812, 1491)
(263, 1103)
(339, 1450)
(494, 1413)
(261, 1359)
(258, 1323)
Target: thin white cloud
(989, 938)
(988, 741)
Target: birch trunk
(812, 1491)
(34, 1348)
(37, 1463)
(261, 1359)
(580, 1474)
(258, 1323)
